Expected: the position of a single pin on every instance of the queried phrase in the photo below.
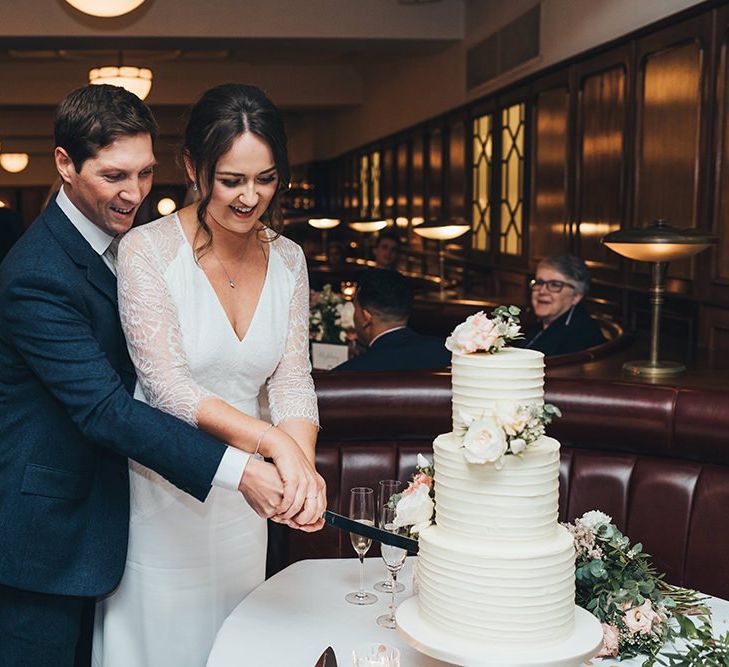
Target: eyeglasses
(551, 285)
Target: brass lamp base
(653, 369)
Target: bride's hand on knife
(304, 490)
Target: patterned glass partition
(364, 185)
(375, 183)
(483, 138)
(512, 179)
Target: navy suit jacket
(69, 422)
(401, 350)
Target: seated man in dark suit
(381, 311)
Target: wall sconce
(659, 244)
(105, 9)
(166, 205)
(324, 225)
(137, 80)
(14, 162)
(442, 230)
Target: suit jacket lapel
(80, 251)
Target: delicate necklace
(231, 282)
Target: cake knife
(384, 536)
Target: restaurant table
(290, 619)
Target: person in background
(382, 307)
(387, 250)
(558, 290)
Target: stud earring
(194, 187)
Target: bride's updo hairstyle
(216, 120)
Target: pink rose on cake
(478, 332)
(485, 442)
(483, 333)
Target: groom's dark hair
(93, 117)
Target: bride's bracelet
(260, 440)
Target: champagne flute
(361, 509)
(394, 558)
(376, 655)
(388, 488)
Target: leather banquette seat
(655, 458)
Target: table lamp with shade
(659, 244)
(442, 230)
(369, 226)
(324, 225)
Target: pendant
(232, 284)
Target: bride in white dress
(214, 305)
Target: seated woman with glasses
(564, 324)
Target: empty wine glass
(387, 489)
(394, 558)
(361, 509)
(376, 655)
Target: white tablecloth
(290, 619)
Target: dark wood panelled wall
(617, 137)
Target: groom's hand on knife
(262, 487)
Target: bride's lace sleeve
(290, 389)
(151, 324)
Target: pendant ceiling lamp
(105, 8)
(137, 80)
(13, 162)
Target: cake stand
(584, 643)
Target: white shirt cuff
(231, 469)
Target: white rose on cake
(414, 509)
(485, 442)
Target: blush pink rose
(422, 479)
(641, 619)
(610, 641)
(478, 332)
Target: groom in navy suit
(68, 420)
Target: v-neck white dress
(190, 563)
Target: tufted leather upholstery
(655, 458)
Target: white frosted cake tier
(482, 381)
(517, 503)
(502, 593)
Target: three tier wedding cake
(496, 566)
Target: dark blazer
(401, 350)
(68, 420)
(567, 334)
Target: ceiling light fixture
(137, 80)
(105, 9)
(14, 162)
